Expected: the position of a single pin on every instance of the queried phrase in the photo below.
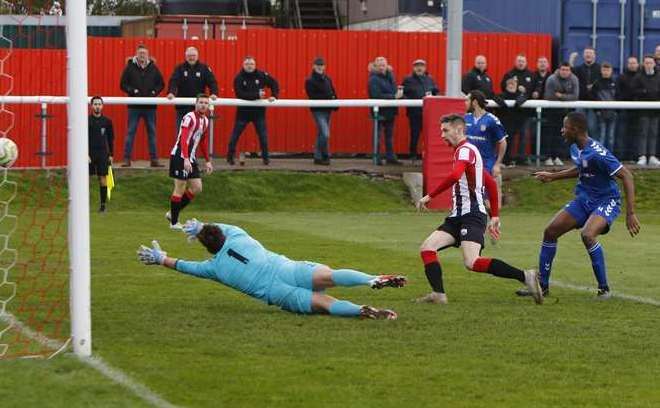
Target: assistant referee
(101, 139)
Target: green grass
(199, 344)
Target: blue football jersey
(242, 263)
(485, 133)
(597, 167)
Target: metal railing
(374, 104)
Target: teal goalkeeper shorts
(292, 287)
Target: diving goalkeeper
(242, 263)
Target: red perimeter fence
(285, 54)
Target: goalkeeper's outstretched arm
(156, 256)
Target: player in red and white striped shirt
(184, 169)
(466, 225)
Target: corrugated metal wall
(286, 54)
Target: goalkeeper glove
(192, 228)
(151, 256)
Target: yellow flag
(111, 182)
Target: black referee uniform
(101, 139)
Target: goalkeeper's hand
(192, 228)
(153, 255)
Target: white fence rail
(374, 104)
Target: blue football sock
(548, 251)
(349, 277)
(597, 256)
(344, 308)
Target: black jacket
(143, 82)
(646, 87)
(383, 86)
(101, 136)
(248, 84)
(476, 80)
(415, 87)
(539, 82)
(605, 90)
(624, 91)
(587, 75)
(319, 86)
(188, 81)
(524, 77)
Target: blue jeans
(607, 128)
(387, 127)
(322, 120)
(149, 116)
(258, 118)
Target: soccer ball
(8, 152)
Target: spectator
(540, 76)
(605, 90)
(587, 73)
(250, 84)
(646, 87)
(514, 119)
(141, 78)
(319, 86)
(657, 57)
(190, 79)
(627, 118)
(477, 79)
(563, 85)
(416, 86)
(522, 75)
(383, 86)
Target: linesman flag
(111, 182)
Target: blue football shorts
(581, 209)
(292, 287)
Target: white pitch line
(95, 362)
(615, 294)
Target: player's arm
(632, 223)
(450, 180)
(204, 149)
(547, 176)
(494, 199)
(156, 256)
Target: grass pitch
(197, 343)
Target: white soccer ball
(8, 152)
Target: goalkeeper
(242, 263)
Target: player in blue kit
(242, 263)
(596, 205)
(485, 131)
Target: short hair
(521, 55)
(589, 47)
(211, 237)
(649, 56)
(479, 97)
(565, 64)
(249, 57)
(190, 49)
(94, 98)
(579, 120)
(453, 119)
(606, 65)
(142, 47)
(201, 96)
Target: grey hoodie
(570, 87)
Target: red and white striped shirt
(467, 181)
(192, 136)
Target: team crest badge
(585, 163)
(185, 73)
(464, 232)
(198, 74)
(483, 128)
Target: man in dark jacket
(588, 73)
(540, 76)
(628, 118)
(141, 78)
(522, 75)
(416, 86)
(646, 87)
(190, 79)
(477, 79)
(319, 86)
(514, 119)
(383, 86)
(101, 139)
(604, 89)
(250, 85)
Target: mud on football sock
(175, 208)
(547, 255)
(433, 270)
(349, 277)
(186, 199)
(344, 308)
(597, 256)
(498, 268)
(103, 192)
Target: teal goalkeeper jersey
(242, 263)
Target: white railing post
(539, 118)
(376, 149)
(79, 256)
